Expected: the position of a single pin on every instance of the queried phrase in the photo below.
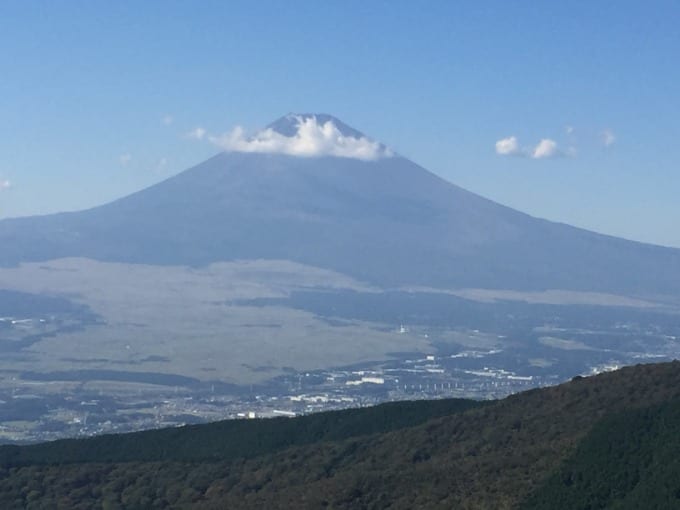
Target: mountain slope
(630, 460)
(387, 221)
(490, 457)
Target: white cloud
(569, 129)
(508, 147)
(312, 139)
(608, 137)
(546, 148)
(125, 159)
(5, 184)
(197, 133)
(167, 119)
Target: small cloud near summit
(308, 138)
(508, 147)
(197, 133)
(546, 148)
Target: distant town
(84, 413)
(39, 407)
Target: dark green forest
(608, 441)
(630, 460)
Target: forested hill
(629, 460)
(234, 439)
(608, 441)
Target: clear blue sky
(96, 97)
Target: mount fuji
(372, 215)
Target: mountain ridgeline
(386, 221)
(608, 441)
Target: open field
(187, 321)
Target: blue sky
(96, 98)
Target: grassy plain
(189, 321)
